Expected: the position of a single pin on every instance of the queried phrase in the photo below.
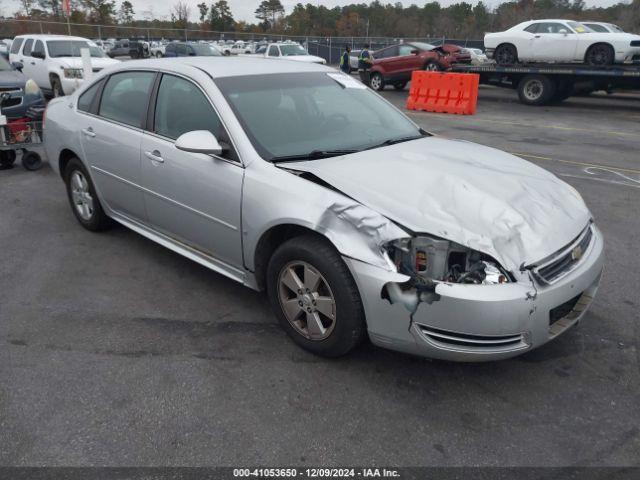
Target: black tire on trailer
(7, 158)
(601, 54)
(536, 90)
(506, 54)
(31, 161)
(563, 91)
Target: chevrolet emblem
(576, 253)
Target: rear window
(125, 97)
(15, 46)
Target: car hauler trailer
(542, 84)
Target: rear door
(194, 198)
(111, 136)
(40, 72)
(386, 59)
(25, 57)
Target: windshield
(423, 46)
(205, 50)
(4, 65)
(615, 28)
(289, 50)
(71, 48)
(295, 114)
(578, 27)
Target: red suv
(393, 65)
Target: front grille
(569, 257)
(464, 341)
(561, 311)
(567, 314)
(12, 102)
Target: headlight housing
(73, 73)
(435, 259)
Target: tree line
(376, 19)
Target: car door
(194, 198)
(39, 64)
(111, 134)
(274, 51)
(554, 42)
(385, 60)
(25, 58)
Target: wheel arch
(66, 154)
(606, 44)
(270, 240)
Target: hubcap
(533, 89)
(82, 199)
(432, 67)
(375, 82)
(307, 300)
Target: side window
(181, 49)
(170, 48)
(273, 51)
(38, 48)
(15, 46)
(125, 96)
(181, 107)
(406, 50)
(551, 28)
(27, 46)
(533, 28)
(86, 99)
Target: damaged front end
(428, 261)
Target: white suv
(53, 61)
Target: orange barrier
(444, 92)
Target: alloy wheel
(82, 199)
(306, 300)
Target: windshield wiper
(313, 155)
(393, 141)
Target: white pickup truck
(286, 51)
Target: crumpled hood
(76, 62)
(480, 197)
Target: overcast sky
(244, 9)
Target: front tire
(600, 54)
(400, 86)
(506, 54)
(158, 54)
(83, 199)
(377, 82)
(432, 66)
(56, 87)
(314, 296)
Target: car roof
(40, 36)
(219, 67)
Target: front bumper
(479, 322)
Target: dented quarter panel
(477, 196)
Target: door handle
(33, 63)
(536, 36)
(154, 156)
(89, 132)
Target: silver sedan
(296, 179)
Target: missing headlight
(429, 258)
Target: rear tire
(536, 90)
(506, 54)
(377, 82)
(400, 85)
(83, 198)
(158, 54)
(600, 54)
(336, 323)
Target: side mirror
(564, 31)
(415, 52)
(199, 141)
(17, 66)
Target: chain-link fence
(328, 48)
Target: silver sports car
(298, 180)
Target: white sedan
(560, 41)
